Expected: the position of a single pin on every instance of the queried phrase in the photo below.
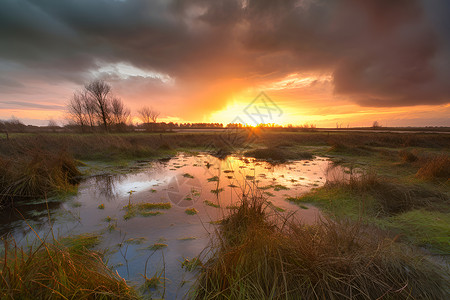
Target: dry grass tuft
(408, 156)
(437, 167)
(37, 174)
(255, 258)
(54, 271)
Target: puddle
(203, 184)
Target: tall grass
(37, 174)
(437, 167)
(258, 256)
(55, 271)
(391, 198)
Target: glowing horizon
(203, 62)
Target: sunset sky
(324, 62)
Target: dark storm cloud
(380, 52)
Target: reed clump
(37, 174)
(437, 167)
(391, 198)
(55, 271)
(257, 256)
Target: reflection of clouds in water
(136, 186)
(112, 186)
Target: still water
(210, 185)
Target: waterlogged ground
(142, 220)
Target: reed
(257, 255)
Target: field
(384, 202)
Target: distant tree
(14, 125)
(76, 110)
(119, 113)
(52, 123)
(89, 109)
(148, 115)
(376, 124)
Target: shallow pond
(116, 207)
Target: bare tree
(119, 113)
(148, 115)
(89, 109)
(95, 105)
(99, 92)
(76, 109)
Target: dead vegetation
(56, 271)
(260, 257)
(37, 174)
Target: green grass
(420, 215)
(212, 204)
(428, 229)
(212, 179)
(135, 241)
(144, 209)
(279, 187)
(191, 264)
(191, 211)
(157, 246)
(217, 191)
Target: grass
(157, 246)
(191, 211)
(217, 191)
(212, 204)
(191, 264)
(135, 241)
(424, 228)
(420, 215)
(259, 256)
(213, 179)
(279, 187)
(144, 209)
(56, 271)
(37, 174)
(437, 167)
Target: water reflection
(205, 183)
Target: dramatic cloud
(199, 52)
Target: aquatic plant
(212, 204)
(191, 211)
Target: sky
(328, 63)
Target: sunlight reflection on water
(186, 182)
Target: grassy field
(389, 206)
